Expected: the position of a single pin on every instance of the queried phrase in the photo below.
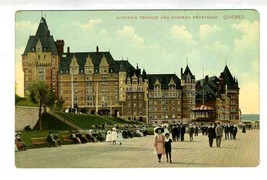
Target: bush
(28, 128)
(84, 110)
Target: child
(114, 136)
(119, 137)
(168, 147)
(108, 137)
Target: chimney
(181, 72)
(206, 79)
(97, 49)
(68, 50)
(60, 46)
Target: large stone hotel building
(95, 80)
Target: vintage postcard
(105, 80)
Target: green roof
(164, 80)
(231, 82)
(42, 34)
(210, 88)
(186, 72)
(114, 65)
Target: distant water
(251, 117)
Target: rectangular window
(41, 75)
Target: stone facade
(25, 116)
(188, 93)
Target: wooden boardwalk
(138, 153)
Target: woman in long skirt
(159, 142)
(108, 137)
(114, 136)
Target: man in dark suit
(50, 138)
(234, 132)
(219, 134)
(182, 131)
(231, 131)
(226, 131)
(211, 134)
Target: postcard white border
(7, 90)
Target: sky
(160, 41)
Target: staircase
(103, 117)
(64, 120)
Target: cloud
(26, 26)
(128, 33)
(219, 48)
(207, 30)
(181, 34)
(249, 35)
(90, 25)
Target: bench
(66, 139)
(39, 141)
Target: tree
(38, 92)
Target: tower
(188, 94)
(40, 59)
(232, 90)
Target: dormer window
(39, 46)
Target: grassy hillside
(49, 122)
(87, 121)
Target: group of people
(178, 131)
(215, 131)
(113, 136)
(90, 136)
(230, 131)
(53, 139)
(162, 143)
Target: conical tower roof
(229, 80)
(43, 35)
(186, 72)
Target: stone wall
(25, 116)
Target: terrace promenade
(138, 153)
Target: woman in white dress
(108, 137)
(114, 136)
(119, 137)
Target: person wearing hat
(168, 147)
(114, 135)
(159, 142)
(191, 132)
(108, 136)
(119, 137)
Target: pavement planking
(138, 153)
